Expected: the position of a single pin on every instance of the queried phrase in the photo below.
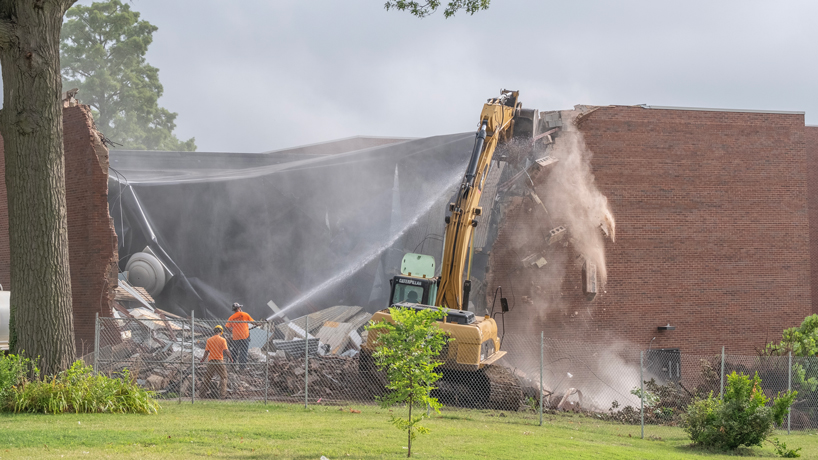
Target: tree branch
(67, 4)
(6, 32)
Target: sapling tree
(406, 350)
(801, 341)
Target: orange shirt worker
(240, 334)
(215, 349)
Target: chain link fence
(312, 360)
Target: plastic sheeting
(305, 231)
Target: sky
(259, 75)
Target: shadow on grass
(740, 452)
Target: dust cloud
(571, 196)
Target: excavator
(470, 377)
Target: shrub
(13, 372)
(78, 390)
(742, 418)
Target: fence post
(789, 388)
(721, 387)
(192, 357)
(266, 363)
(542, 339)
(96, 344)
(182, 362)
(642, 392)
(306, 359)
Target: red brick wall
(712, 235)
(91, 238)
(811, 141)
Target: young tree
(31, 125)
(103, 54)
(406, 351)
(422, 10)
(801, 341)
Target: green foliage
(650, 399)
(13, 372)
(421, 9)
(78, 390)
(742, 418)
(102, 52)
(801, 341)
(406, 351)
(782, 451)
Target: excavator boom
(496, 125)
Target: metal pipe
(480, 139)
(182, 363)
(471, 256)
(721, 388)
(192, 357)
(642, 392)
(542, 340)
(789, 389)
(96, 343)
(306, 359)
(266, 364)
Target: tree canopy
(423, 9)
(102, 52)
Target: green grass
(256, 431)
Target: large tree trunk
(31, 125)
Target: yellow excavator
(469, 378)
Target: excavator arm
(496, 125)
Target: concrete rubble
(156, 349)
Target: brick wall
(811, 141)
(91, 238)
(712, 234)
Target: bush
(742, 418)
(13, 372)
(78, 390)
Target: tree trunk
(31, 125)
(409, 453)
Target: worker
(412, 297)
(240, 336)
(215, 349)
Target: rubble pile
(158, 349)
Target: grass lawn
(246, 430)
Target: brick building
(713, 233)
(715, 214)
(92, 245)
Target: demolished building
(713, 239)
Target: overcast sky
(253, 75)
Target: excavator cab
(416, 284)
(412, 290)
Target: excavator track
(493, 387)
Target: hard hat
(237, 305)
(218, 328)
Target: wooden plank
(359, 321)
(336, 335)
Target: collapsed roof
(305, 228)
